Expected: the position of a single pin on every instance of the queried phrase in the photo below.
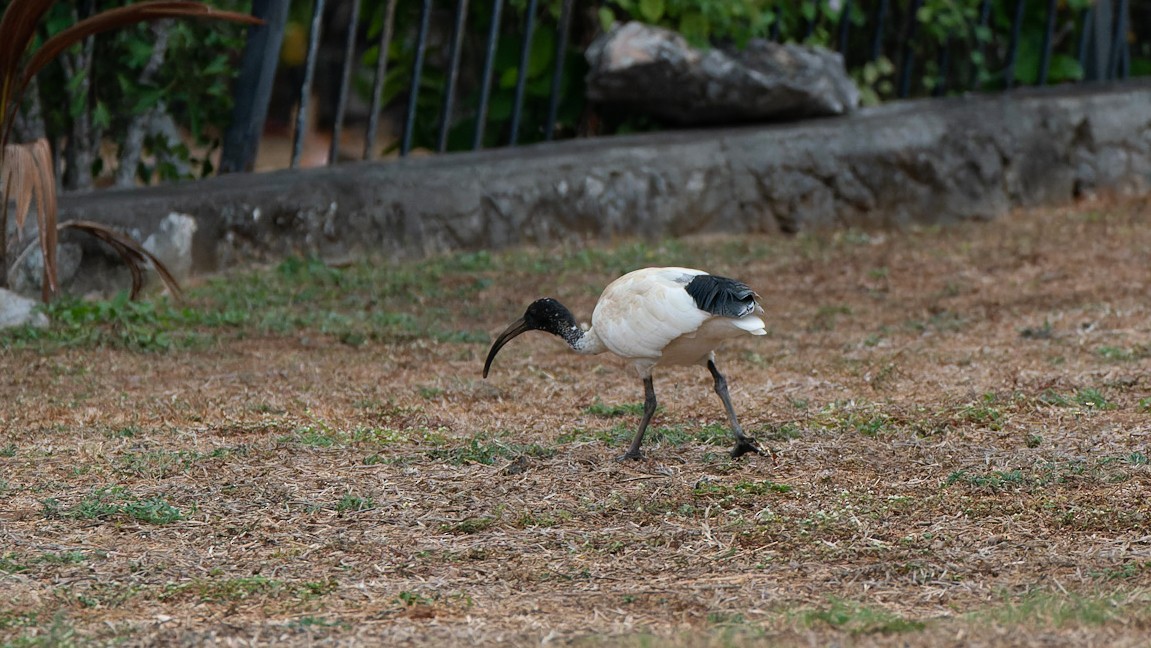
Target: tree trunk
(84, 140)
(141, 125)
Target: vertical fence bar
(1013, 45)
(877, 38)
(944, 62)
(417, 71)
(558, 73)
(314, 35)
(908, 58)
(1048, 37)
(345, 81)
(1086, 17)
(844, 25)
(253, 87)
(1115, 67)
(522, 78)
(1097, 37)
(453, 75)
(984, 21)
(378, 83)
(489, 66)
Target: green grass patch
(1047, 610)
(350, 503)
(470, 525)
(160, 464)
(598, 408)
(740, 489)
(858, 619)
(487, 451)
(1050, 473)
(1088, 397)
(222, 590)
(115, 502)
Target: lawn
(301, 454)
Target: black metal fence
(459, 74)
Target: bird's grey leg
(743, 443)
(648, 410)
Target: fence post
(1097, 36)
(254, 86)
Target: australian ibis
(653, 317)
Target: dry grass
(962, 420)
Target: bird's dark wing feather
(721, 296)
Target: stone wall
(924, 161)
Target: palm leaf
(17, 28)
(135, 256)
(14, 177)
(44, 187)
(26, 174)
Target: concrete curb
(923, 161)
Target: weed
(1041, 332)
(9, 564)
(827, 316)
(857, 618)
(309, 621)
(315, 589)
(983, 412)
(597, 408)
(1091, 397)
(993, 481)
(8, 450)
(782, 432)
(1050, 610)
(1088, 397)
(765, 487)
(488, 451)
(410, 599)
(470, 525)
(221, 590)
(112, 502)
(354, 503)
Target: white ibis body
(655, 316)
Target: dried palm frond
(135, 256)
(26, 174)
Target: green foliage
(541, 64)
(116, 502)
(857, 618)
(704, 22)
(488, 451)
(193, 86)
(598, 408)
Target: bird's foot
(744, 445)
(634, 455)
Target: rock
(171, 242)
(17, 310)
(27, 276)
(656, 71)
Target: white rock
(17, 310)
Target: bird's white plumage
(648, 316)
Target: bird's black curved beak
(514, 329)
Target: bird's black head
(544, 314)
(551, 316)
